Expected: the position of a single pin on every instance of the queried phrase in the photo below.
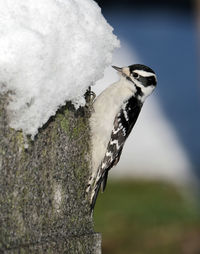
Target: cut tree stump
(43, 204)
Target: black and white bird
(115, 112)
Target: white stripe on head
(145, 73)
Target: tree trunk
(43, 204)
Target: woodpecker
(115, 112)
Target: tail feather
(104, 181)
(100, 182)
(96, 191)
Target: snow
(50, 52)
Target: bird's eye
(135, 75)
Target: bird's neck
(139, 91)
(143, 92)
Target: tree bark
(43, 204)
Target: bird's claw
(89, 98)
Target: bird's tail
(95, 194)
(93, 188)
(100, 183)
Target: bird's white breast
(106, 107)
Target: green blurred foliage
(147, 217)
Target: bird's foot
(89, 98)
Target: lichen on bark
(43, 204)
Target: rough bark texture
(43, 204)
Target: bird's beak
(117, 68)
(123, 71)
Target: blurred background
(151, 204)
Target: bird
(115, 112)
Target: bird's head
(142, 77)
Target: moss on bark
(43, 204)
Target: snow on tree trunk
(43, 204)
(51, 51)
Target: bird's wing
(123, 124)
